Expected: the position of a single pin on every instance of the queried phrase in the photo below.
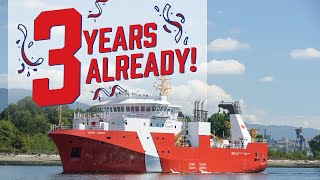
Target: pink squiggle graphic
(166, 29)
(23, 68)
(26, 60)
(97, 3)
(165, 14)
(109, 94)
(181, 16)
(24, 31)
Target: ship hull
(122, 151)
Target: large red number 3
(71, 19)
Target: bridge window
(128, 109)
(122, 109)
(119, 109)
(114, 109)
(137, 108)
(111, 109)
(148, 108)
(153, 108)
(132, 108)
(150, 124)
(143, 108)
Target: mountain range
(275, 131)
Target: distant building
(300, 143)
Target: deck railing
(258, 140)
(63, 127)
(76, 127)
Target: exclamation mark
(193, 68)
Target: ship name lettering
(192, 165)
(202, 164)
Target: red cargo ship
(139, 133)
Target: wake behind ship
(140, 133)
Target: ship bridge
(127, 113)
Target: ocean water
(54, 172)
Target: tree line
(24, 127)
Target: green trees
(10, 138)
(282, 155)
(315, 146)
(187, 118)
(24, 127)
(219, 125)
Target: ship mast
(163, 86)
(60, 112)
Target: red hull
(121, 151)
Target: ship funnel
(195, 118)
(199, 113)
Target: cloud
(196, 89)
(3, 80)
(308, 53)
(266, 79)
(306, 122)
(228, 44)
(223, 67)
(34, 4)
(235, 30)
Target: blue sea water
(55, 172)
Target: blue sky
(265, 42)
(271, 29)
(3, 37)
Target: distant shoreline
(54, 160)
(294, 163)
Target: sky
(278, 45)
(265, 54)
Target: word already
(124, 63)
